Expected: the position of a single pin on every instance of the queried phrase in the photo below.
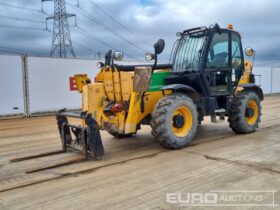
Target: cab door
(218, 67)
(237, 58)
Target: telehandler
(208, 76)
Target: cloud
(148, 20)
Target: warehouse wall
(11, 86)
(263, 78)
(48, 82)
(275, 83)
(268, 79)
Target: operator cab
(210, 60)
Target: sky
(132, 26)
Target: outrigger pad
(94, 138)
(87, 139)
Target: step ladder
(218, 113)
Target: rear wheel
(245, 113)
(174, 121)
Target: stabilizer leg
(64, 131)
(88, 137)
(94, 138)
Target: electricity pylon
(61, 40)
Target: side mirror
(159, 46)
(149, 56)
(218, 28)
(100, 65)
(249, 52)
(118, 56)
(108, 58)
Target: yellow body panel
(81, 80)
(126, 84)
(94, 100)
(117, 86)
(245, 78)
(134, 114)
(118, 120)
(100, 76)
(246, 75)
(121, 122)
(85, 98)
(109, 83)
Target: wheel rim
(252, 112)
(181, 121)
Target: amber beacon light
(230, 26)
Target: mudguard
(254, 87)
(180, 88)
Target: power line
(10, 50)
(20, 7)
(101, 24)
(91, 36)
(95, 38)
(84, 47)
(40, 29)
(22, 27)
(80, 30)
(118, 22)
(21, 19)
(14, 50)
(97, 54)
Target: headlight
(249, 51)
(149, 56)
(118, 56)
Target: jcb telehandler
(208, 77)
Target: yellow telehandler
(208, 76)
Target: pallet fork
(87, 138)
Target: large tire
(174, 121)
(245, 113)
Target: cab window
(236, 51)
(218, 54)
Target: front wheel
(174, 121)
(245, 113)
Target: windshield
(188, 52)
